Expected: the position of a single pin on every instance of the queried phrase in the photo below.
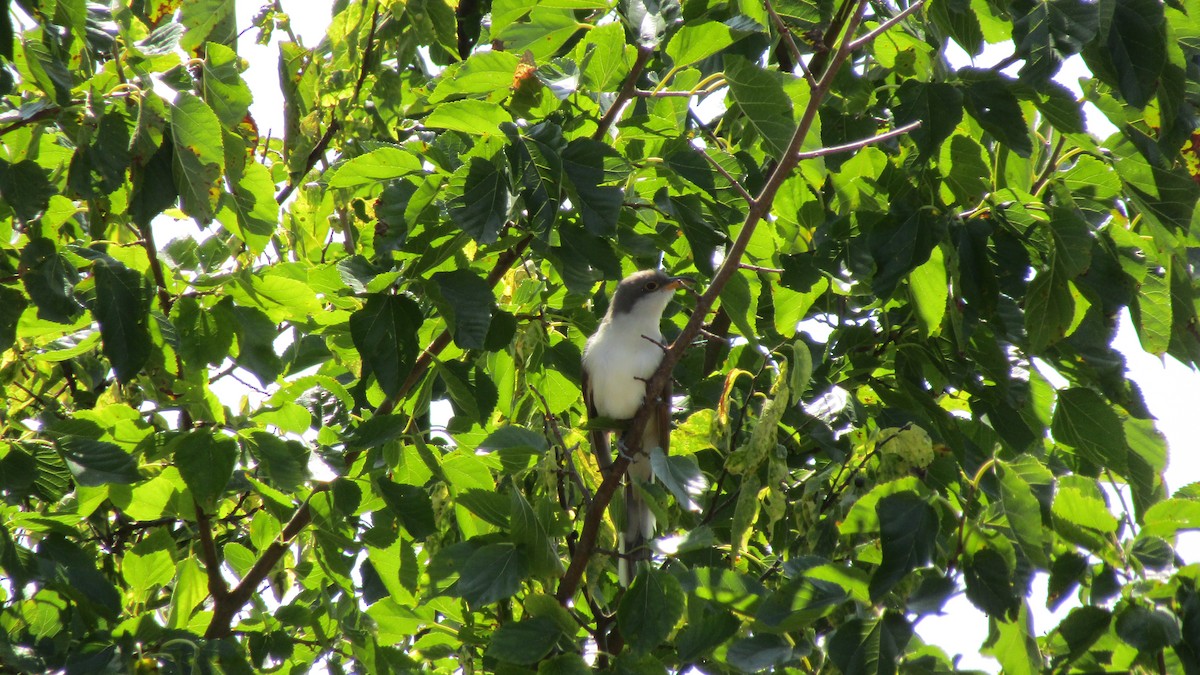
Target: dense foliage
(897, 377)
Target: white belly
(618, 363)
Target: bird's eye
(652, 285)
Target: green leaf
(481, 201)
(529, 532)
(468, 304)
(412, 506)
(12, 304)
(591, 168)
(957, 19)
(95, 463)
(385, 333)
(989, 99)
(26, 187)
(469, 116)
(492, 573)
(1049, 309)
(759, 652)
(868, 646)
(223, 88)
(1011, 643)
(49, 281)
(481, 74)
(696, 42)
(1082, 628)
(205, 334)
(908, 528)
(199, 158)
(930, 292)
(123, 311)
(149, 562)
(75, 573)
(253, 203)
(937, 106)
(1131, 51)
(649, 610)
(284, 461)
(682, 476)
(381, 164)
(256, 335)
(989, 584)
(1148, 630)
(1046, 32)
(1086, 423)
(524, 642)
(206, 464)
(760, 95)
(1023, 513)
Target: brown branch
(318, 150)
(656, 385)
(721, 170)
(790, 41)
(861, 143)
(313, 157)
(421, 365)
(208, 552)
(881, 28)
(627, 91)
(226, 607)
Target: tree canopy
(897, 373)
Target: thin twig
(861, 143)
(881, 28)
(1051, 165)
(227, 606)
(757, 268)
(318, 150)
(627, 88)
(503, 263)
(721, 170)
(790, 41)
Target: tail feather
(635, 539)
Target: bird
(619, 357)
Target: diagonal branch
(318, 150)
(226, 606)
(790, 42)
(859, 144)
(657, 384)
(721, 170)
(881, 28)
(628, 88)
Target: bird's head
(645, 293)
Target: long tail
(639, 530)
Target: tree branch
(721, 170)
(627, 91)
(656, 385)
(226, 606)
(881, 28)
(859, 144)
(790, 42)
(421, 365)
(208, 552)
(318, 150)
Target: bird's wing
(597, 437)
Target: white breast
(615, 358)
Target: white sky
(1171, 390)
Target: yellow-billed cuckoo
(622, 354)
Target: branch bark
(760, 206)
